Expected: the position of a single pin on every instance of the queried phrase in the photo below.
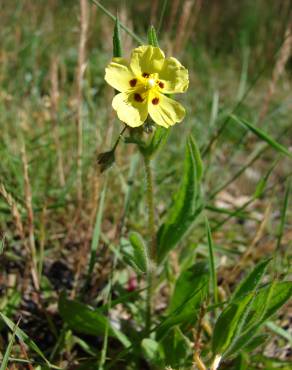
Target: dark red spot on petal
(133, 82)
(155, 101)
(161, 85)
(138, 98)
(145, 74)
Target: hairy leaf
(152, 37)
(252, 280)
(229, 323)
(84, 319)
(135, 252)
(189, 293)
(186, 206)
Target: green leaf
(283, 216)
(152, 37)
(213, 277)
(198, 159)
(152, 351)
(135, 252)
(117, 44)
(279, 331)
(187, 204)
(252, 280)
(6, 356)
(21, 335)
(262, 135)
(176, 348)
(255, 342)
(190, 291)
(229, 323)
(97, 230)
(84, 319)
(281, 292)
(266, 303)
(188, 281)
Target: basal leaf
(176, 348)
(213, 276)
(153, 351)
(252, 280)
(189, 293)
(266, 303)
(186, 206)
(229, 323)
(187, 283)
(86, 320)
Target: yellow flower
(142, 84)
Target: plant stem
(152, 238)
(150, 206)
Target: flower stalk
(152, 243)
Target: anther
(155, 101)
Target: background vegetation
(63, 225)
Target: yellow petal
(165, 111)
(129, 110)
(119, 75)
(174, 75)
(146, 59)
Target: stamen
(138, 98)
(161, 85)
(145, 74)
(150, 83)
(155, 101)
(133, 82)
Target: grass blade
(21, 335)
(279, 331)
(110, 15)
(5, 359)
(283, 215)
(262, 135)
(213, 276)
(97, 230)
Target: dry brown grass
(84, 20)
(54, 116)
(278, 70)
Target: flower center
(150, 83)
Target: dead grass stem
(182, 25)
(54, 117)
(84, 17)
(278, 70)
(30, 215)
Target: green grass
(84, 251)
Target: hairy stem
(150, 206)
(152, 239)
